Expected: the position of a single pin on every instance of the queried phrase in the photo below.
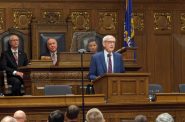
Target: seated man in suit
(106, 61)
(52, 48)
(11, 60)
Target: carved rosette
(107, 22)
(1, 19)
(162, 21)
(80, 21)
(52, 16)
(22, 18)
(36, 76)
(138, 21)
(182, 19)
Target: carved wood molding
(35, 76)
(138, 21)
(22, 18)
(107, 22)
(2, 17)
(80, 20)
(52, 15)
(162, 21)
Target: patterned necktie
(109, 63)
(54, 58)
(15, 56)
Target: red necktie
(15, 56)
(109, 64)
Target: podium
(123, 87)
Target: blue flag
(129, 26)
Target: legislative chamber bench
(67, 72)
(119, 96)
(38, 108)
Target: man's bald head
(8, 119)
(20, 116)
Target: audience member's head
(52, 45)
(8, 119)
(56, 116)
(140, 118)
(92, 46)
(72, 113)
(94, 115)
(109, 43)
(20, 116)
(164, 117)
(14, 41)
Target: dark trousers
(16, 85)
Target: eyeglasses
(15, 40)
(110, 42)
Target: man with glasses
(11, 60)
(106, 61)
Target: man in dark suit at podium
(11, 60)
(106, 61)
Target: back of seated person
(56, 116)
(164, 117)
(140, 118)
(94, 115)
(20, 116)
(12, 59)
(72, 113)
(8, 119)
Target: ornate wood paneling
(21, 18)
(158, 24)
(52, 15)
(107, 22)
(2, 19)
(81, 20)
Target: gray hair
(12, 37)
(107, 37)
(94, 115)
(164, 117)
(8, 119)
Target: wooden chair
(8, 88)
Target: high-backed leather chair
(4, 38)
(43, 42)
(182, 88)
(80, 40)
(155, 88)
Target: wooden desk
(37, 76)
(38, 108)
(170, 97)
(44, 101)
(123, 87)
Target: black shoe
(1, 94)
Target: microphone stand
(82, 51)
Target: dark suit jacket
(46, 54)
(9, 63)
(98, 66)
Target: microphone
(108, 55)
(121, 50)
(82, 51)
